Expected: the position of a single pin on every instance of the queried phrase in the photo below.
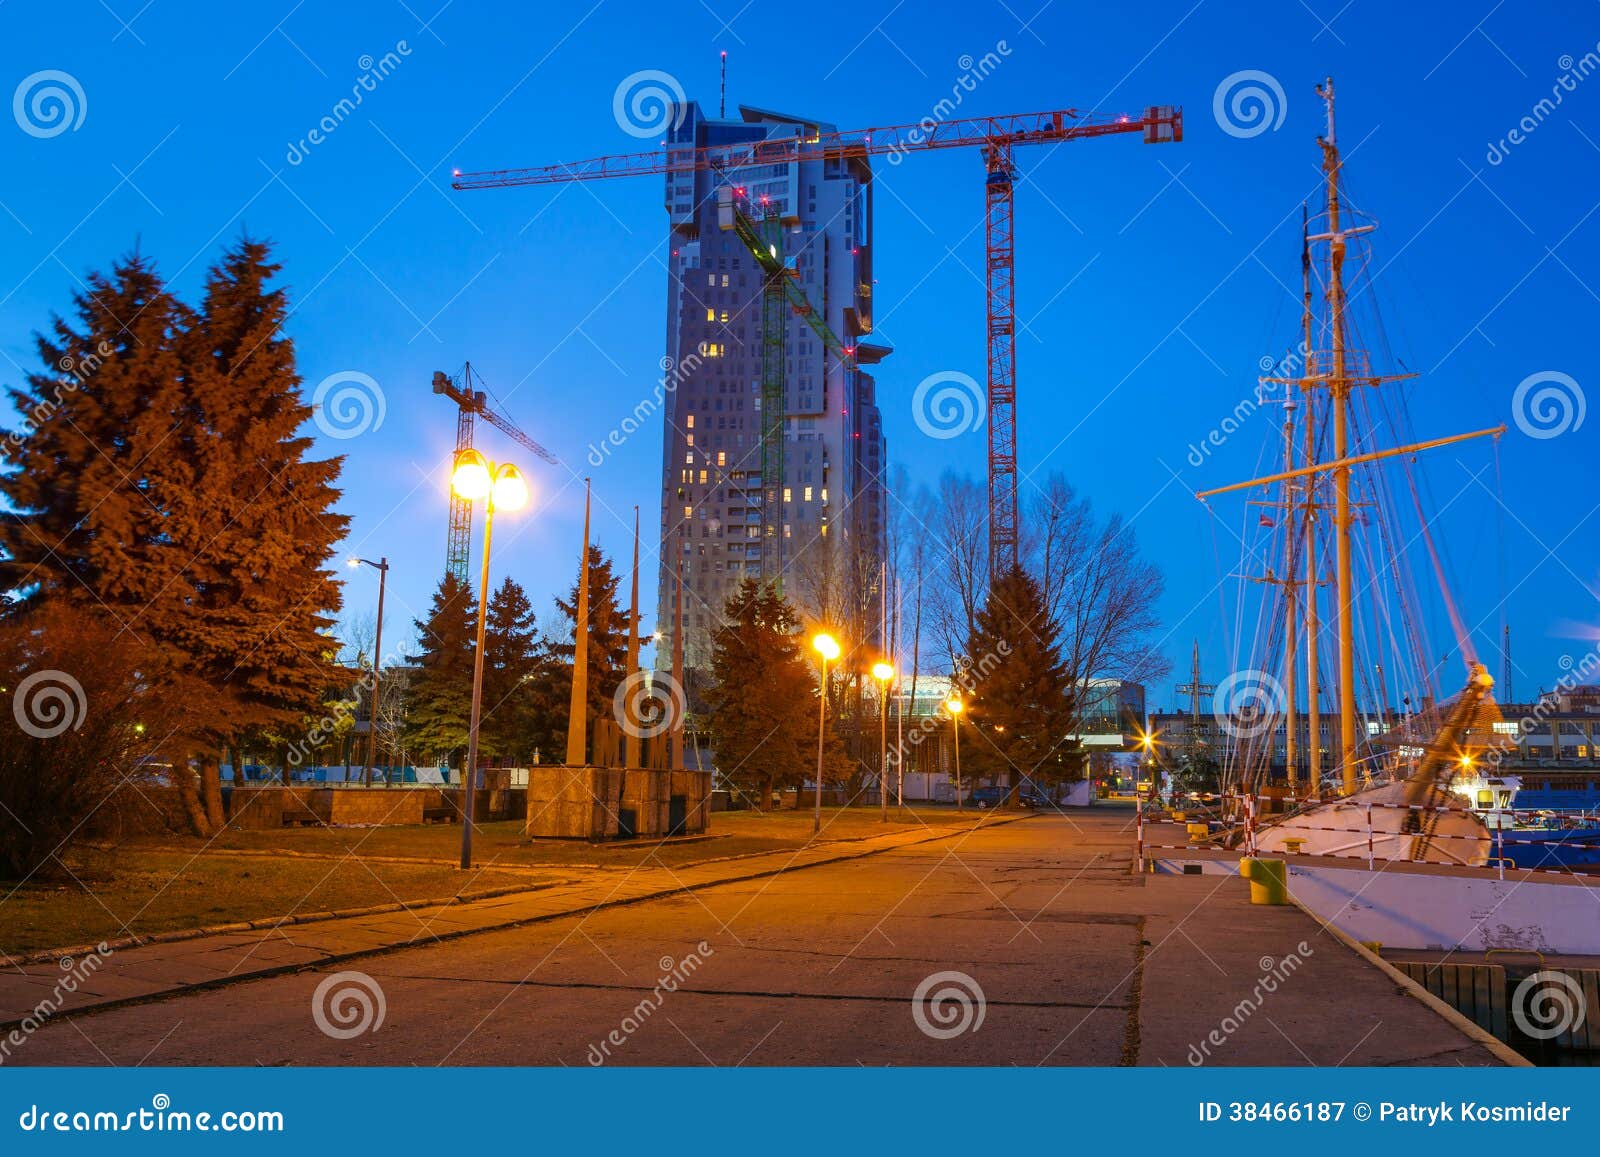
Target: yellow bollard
(1269, 880)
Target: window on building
(787, 496)
(808, 494)
(711, 314)
(688, 421)
(722, 457)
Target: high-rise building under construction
(828, 516)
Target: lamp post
(382, 567)
(955, 707)
(828, 647)
(475, 477)
(884, 674)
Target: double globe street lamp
(502, 487)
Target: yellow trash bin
(1198, 832)
(1269, 880)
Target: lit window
(724, 316)
(711, 279)
(808, 494)
(787, 496)
(711, 314)
(702, 478)
(824, 494)
(688, 421)
(688, 512)
(788, 531)
(690, 438)
(722, 457)
(724, 281)
(688, 459)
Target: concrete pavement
(1030, 943)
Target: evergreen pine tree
(83, 467)
(763, 698)
(514, 659)
(439, 692)
(1021, 715)
(254, 514)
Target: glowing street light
(884, 674)
(828, 647)
(954, 707)
(474, 477)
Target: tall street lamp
(955, 707)
(884, 674)
(475, 477)
(828, 647)
(382, 567)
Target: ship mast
(1313, 687)
(1339, 397)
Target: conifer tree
(252, 513)
(514, 659)
(763, 698)
(439, 692)
(84, 464)
(1021, 710)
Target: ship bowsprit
(1382, 823)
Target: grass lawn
(137, 890)
(503, 845)
(156, 884)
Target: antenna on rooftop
(722, 102)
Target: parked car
(987, 797)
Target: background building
(833, 503)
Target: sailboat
(1394, 792)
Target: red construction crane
(997, 137)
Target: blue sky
(1151, 281)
